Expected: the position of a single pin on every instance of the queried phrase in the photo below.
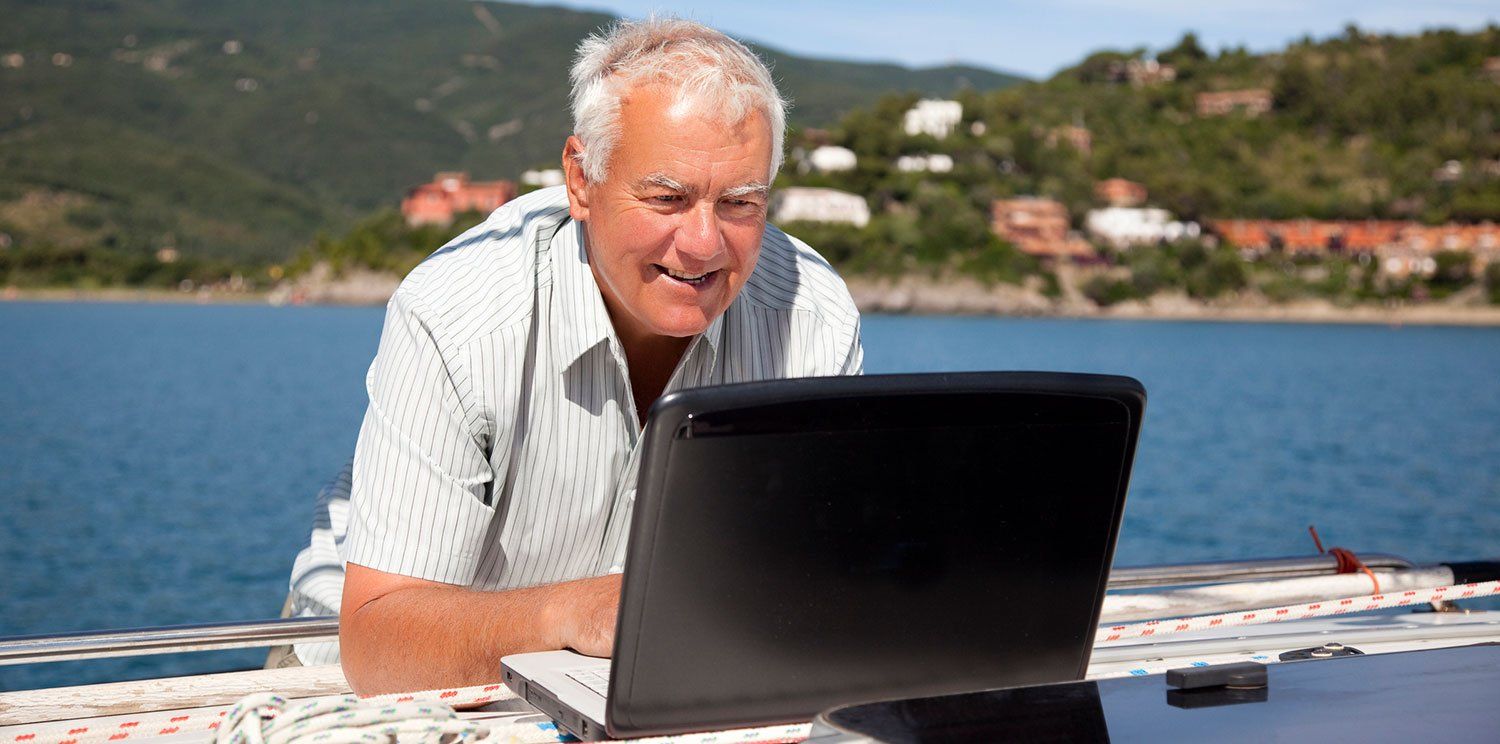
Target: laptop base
(541, 679)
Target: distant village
(1042, 227)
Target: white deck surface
(180, 709)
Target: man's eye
(667, 198)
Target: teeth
(675, 274)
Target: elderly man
(495, 472)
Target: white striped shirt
(499, 449)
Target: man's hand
(586, 611)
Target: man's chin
(684, 323)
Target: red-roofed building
(1250, 236)
(1253, 102)
(450, 193)
(1080, 138)
(1403, 247)
(1118, 192)
(1492, 68)
(1308, 237)
(1038, 227)
(1370, 236)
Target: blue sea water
(158, 462)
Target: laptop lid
(800, 544)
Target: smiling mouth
(684, 277)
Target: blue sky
(1036, 38)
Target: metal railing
(1259, 569)
(217, 636)
(101, 644)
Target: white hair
(703, 65)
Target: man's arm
(402, 634)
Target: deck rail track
(99, 644)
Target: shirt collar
(578, 308)
(578, 312)
(711, 337)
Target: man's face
(674, 230)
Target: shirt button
(630, 495)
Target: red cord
(1348, 562)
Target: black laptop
(800, 544)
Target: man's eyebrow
(756, 188)
(665, 181)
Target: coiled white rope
(265, 718)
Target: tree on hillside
(1100, 67)
(1185, 56)
(1296, 91)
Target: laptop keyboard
(594, 678)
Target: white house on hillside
(832, 159)
(936, 163)
(1122, 227)
(801, 203)
(933, 116)
(547, 177)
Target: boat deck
(186, 709)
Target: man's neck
(651, 359)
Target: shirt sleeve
(421, 473)
(854, 356)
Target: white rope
(1323, 608)
(265, 718)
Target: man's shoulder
(486, 278)
(791, 276)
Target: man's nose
(698, 237)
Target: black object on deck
(1428, 696)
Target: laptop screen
(808, 552)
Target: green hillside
(1359, 126)
(239, 130)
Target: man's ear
(578, 199)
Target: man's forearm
(428, 637)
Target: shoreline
(963, 296)
(904, 297)
(1415, 315)
(133, 296)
